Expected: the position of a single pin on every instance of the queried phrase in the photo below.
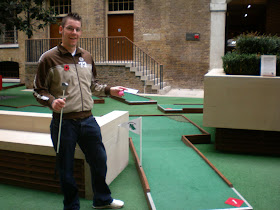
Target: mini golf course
(181, 108)
(134, 99)
(178, 177)
(256, 177)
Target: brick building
(162, 28)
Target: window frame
(118, 3)
(6, 44)
(56, 4)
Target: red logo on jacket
(66, 67)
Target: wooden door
(120, 49)
(54, 33)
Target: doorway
(54, 33)
(119, 27)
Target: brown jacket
(57, 66)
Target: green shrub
(263, 45)
(245, 64)
(241, 64)
(245, 60)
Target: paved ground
(191, 93)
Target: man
(70, 64)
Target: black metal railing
(105, 50)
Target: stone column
(217, 38)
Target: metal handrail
(105, 50)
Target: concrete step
(128, 65)
(148, 77)
(140, 73)
(164, 90)
(153, 81)
(134, 68)
(157, 86)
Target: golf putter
(64, 87)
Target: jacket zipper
(79, 82)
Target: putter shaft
(64, 86)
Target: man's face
(71, 33)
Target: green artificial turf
(255, 177)
(177, 175)
(135, 98)
(179, 106)
(8, 84)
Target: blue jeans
(87, 134)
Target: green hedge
(245, 64)
(246, 58)
(263, 45)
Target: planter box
(27, 157)
(241, 102)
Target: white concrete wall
(241, 102)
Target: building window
(121, 5)
(61, 6)
(9, 35)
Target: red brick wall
(118, 75)
(166, 22)
(185, 62)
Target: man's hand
(58, 104)
(117, 91)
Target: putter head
(64, 85)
